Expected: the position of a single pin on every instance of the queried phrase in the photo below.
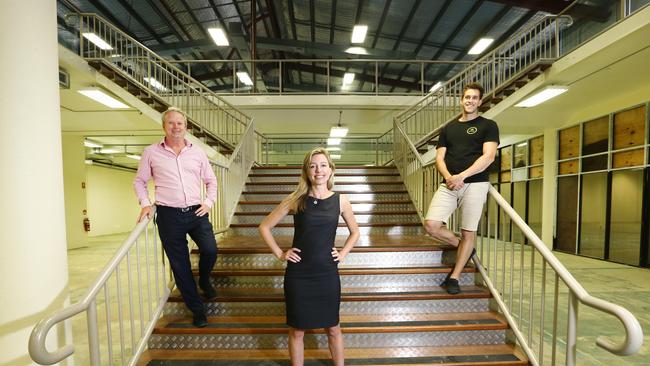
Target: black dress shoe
(445, 282)
(208, 291)
(452, 286)
(199, 320)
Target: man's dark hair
(475, 86)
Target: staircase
(392, 313)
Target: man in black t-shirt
(466, 148)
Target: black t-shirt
(464, 143)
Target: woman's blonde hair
(296, 200)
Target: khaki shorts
(470, 199)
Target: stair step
(343, 271)
(369, 243)
(349, 187)
(269, 332)
(361, 218)
(430, 299)
(354, 170)
(339, 178)
(393, 195)
(347, 294)
(381, 206)
(364, 229)
(496, 355)
(349, 323)
(390, 278)
(359, 259)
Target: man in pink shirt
(177, 168)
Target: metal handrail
(538, 43)
(421, 180)
(160, 78)
(633, 332)
(231, 178)
(88, 304)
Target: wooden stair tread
(438, 322)
(342, 271)
(336, 183)
(260, 175)
(339, 167)
(377, 202)
(360, 224)
(373, 249)
(365, 243)
(348, 294)
(395, 354)
(344, 192)
(259, 213)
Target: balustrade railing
(521, 52)
(101, 41)
(121, 307)
(532, 289)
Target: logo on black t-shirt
(472, 130)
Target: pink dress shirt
(177, 178)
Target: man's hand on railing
(144, 212)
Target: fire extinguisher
(86, 222)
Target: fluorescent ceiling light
(359, 33)
(357, 50)
(244, 78)
(103, 98)
(88, 162)
(92, 37)
(88, 143)
(108, 151)
(522, 144)
(155, 84)
(348, 78)
(334, 141)
(218, 36)
(435, 87)
(542, 96)
(333, 148)
(338, 131)
(480, 46)
(335, 156)
(133, 156)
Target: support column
(549, 188)
(33, 264)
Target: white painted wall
(74, 180)
(318, 113)
(112, 206)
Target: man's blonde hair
(173, 109)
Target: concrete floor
(623, 285)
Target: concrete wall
(74, 182)
(112, 206)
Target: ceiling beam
(405, 26)
(596, 11)
(375, 39)
(442, 76)
(332, 21)
(452, 35)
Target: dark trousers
(173, 227)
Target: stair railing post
(81, 38)
(93, 333)
(557, 37)
(572, 330)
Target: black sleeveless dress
(312, 287)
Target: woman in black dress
(312, 287)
